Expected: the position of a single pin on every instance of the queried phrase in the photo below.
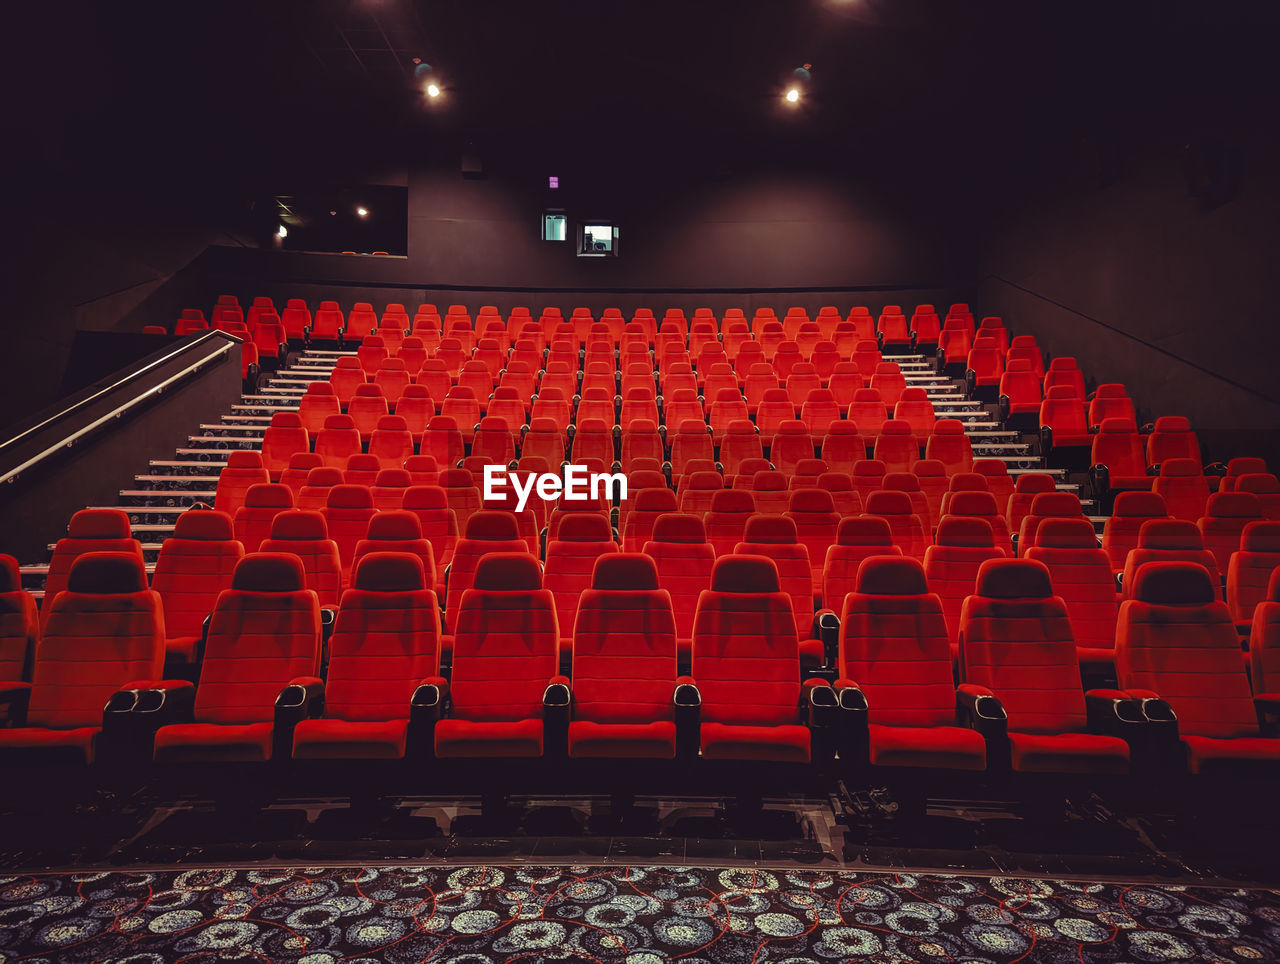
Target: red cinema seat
(1238, 467)
(506, 657)
(814, 513)
(684, 560)
(1225, 516)
(1028, 486)
(572, 551)
(253, 519)
(747, 666)
(740, 442)
(259, 673)
(889, 381)
(244, 469)
(1120, 533)
(843, 447)
(391, 443)
(981, 505)
(195, 564)
(1167, 540)
(950, 445)
(868, 476)
(347, 512)
(897, 446)
(893, 646)
(366, 407)
(951, 565)
(845, 379)
(487, 531)
(791, 445)
(90, 530)
(843, 494)
(909, 533)
(1111, 400)
(1019, 394)
(1264, 643)
(442, 440)
(318, 403)
(399, 531)
(1119, 462)
(771, 492)
(360, 470)
(1064, 433)
(388, 489)
(868, 412)
(439, 523)
(338, 441)
(315, 492)
(1016, 644)
(284, 437)
(893, 332)
(422, 470)
(1249, 572)
(346, 378)
(726, 520)
(1047, 505)
(999, 483)
(984, 368)
(775, 538)
(384, 655)
(774, 410)
(1266, 487)
(857, 538)
(644, 512)
(103, 633)
(1082, 577)
(916, 410)
(931, 477)
(1172, 438)
(1176, 641)
(625, 688)
(1182, 485)
(303, 533)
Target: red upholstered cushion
(99, 524)
(656, 740)
(465, 738)
(783, 743)
(1068, 753)
(947, 747)
(745, 574)
(214, 743)
(204, 525)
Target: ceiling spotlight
(282, 232)
(433, 90)
(362, 212)
(793, 95)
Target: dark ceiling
(251, 94)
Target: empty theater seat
(726, 520)
(1266, 487)
(981, 505)
(487, 531)
(347, 512)
(1226, 515)
(951, 566)
(90, 530)
(1120, 533)
(303, 533)
(857, 539)
(893, 646)
(384, 656)
(572, 552)
(1264, 645)
(1176, 641)
(814, 513)
(747, 666)
(284, 437)
(1167, 540)
(775, 538)
(1249, 571)
(684, 561)
(1047, 505)
(19, 627)
(1082, 577)
(103, 633)
(1024, 492)
(1016, 645)
(506, 655)
(1118, 459)
(399, 531)
(625, 688)
(258, 676)
(950, 445)
(244, 468)
(1182, 485)
(909, 533)
(195, 564)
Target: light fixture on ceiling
(362, 212)
(793, 95)
(282, 232)
(433, 90)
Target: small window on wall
(554, 226)
(598, 239)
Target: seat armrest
(828, 624)
(1267, 706)
(429, 700)
(687, 703)
(819, 704)
(1114, 713)
(978, 708)
(852, 737)
(557, 705)
(301, 699)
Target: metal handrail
(76, 406)
(13, 474)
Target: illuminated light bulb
(793, 95)
(433, 90)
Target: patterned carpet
(637, 915)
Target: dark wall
(1150, 285)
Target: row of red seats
(1020, 703)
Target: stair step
(174, 495)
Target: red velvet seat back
(1176, 639)
(684, 560)
(265, 632)
(105, 630)
(386, 639)
(774, 537)
(90, 530)
(507, 642)
(19, 623)
(624, 644)
(745, 650)
(1120, 533)
(572, 554)
(951, 564)
(194, 565)
(1016, 639)
(244, 468)
(1082, 577)
(488, 530)
(893, 643)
